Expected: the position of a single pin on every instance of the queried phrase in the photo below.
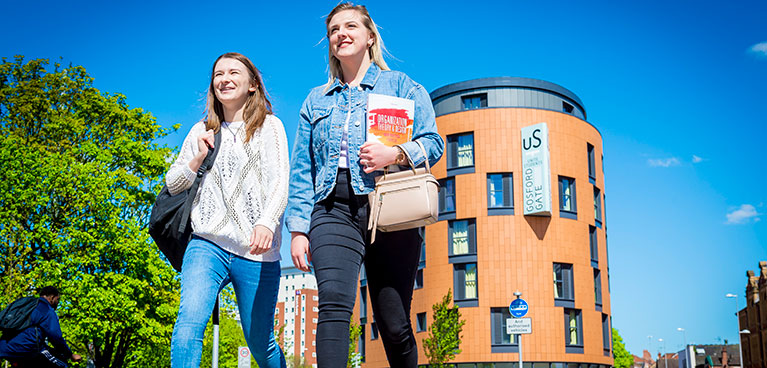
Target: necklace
(234, 134)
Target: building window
(563, 285)
(607, 333)
(567, 207)
(363, 304)
(465, 284)
(603, 164)
(500, 194)
(597, 289)
(361, 343)
(592, 163)
(460, 154)
(477, 101)
(373, 331)
(501, 342)
(594, 246)
(363, 275)
(418, 279)
(573, 331)
(420, 322)
(447, 197)
(597, 207)
(462, 240)
(566, 107)
(422, 257)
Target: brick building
(754, 319)
(503, 228)
(296, 314)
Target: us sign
(536, 170)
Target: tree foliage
(622, 358)
(355, 331)
(80, 171)
(230, 334)
(442, 344)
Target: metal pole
(214, 355)
(737, 320)
(740, 347)
(520, 349)
(519, 339)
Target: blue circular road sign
(518, 308)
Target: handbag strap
(373, 222)
(207, 163)
(410, 159)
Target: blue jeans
(206, 270)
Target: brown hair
(375, 51)
(256, 107)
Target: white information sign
(243, 357)
(536, 170)
(518, 326)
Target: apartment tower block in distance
(296, 315)
(521, 209)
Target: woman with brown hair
(237, 214)
(333, 170)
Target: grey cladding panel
(508, 97)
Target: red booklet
(390, 119)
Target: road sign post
(518, 325)
(243, 357)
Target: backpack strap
(207, 164)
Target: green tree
(80, 171)
(355, 331)
(622, 358)
(442, 344)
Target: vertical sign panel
(536, 170)
(243, 357)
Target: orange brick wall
(517, 252)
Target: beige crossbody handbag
(405, 199)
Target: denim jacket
(317, 146)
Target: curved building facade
(521, 209)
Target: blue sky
(678, 90)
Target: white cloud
(760, 49)
(663, 162)
(743, 215)
(697, 159)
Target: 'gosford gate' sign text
(536, 170)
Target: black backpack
(17, 315)
(169, 222)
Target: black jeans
(46, 358)
(339, 243)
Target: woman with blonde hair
(237, 214)
(333, 170)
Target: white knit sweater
(247, 186)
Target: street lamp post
(665, 360)
(740, 343)
(684, 335)
(737, 320)
(649, 343)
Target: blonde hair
(257, 105)
(375, 51)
